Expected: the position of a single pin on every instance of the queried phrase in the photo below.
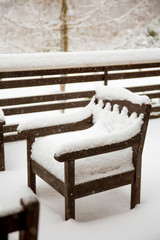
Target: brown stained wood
(44, 107)
(31, 175)
(106, 76)
(49, 178)
(24, 220)
(32, 215)
(13, 137)
(97, 150)
(133, 66)
(2, 160)
(45, 98)
(139, 74)
(5, 84)
(49, 72)
(10, 128)
(144, 88)
(69, 170)
(103, 184)
(12, 222)
(155, 109)
(153, 95)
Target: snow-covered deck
(111, 218)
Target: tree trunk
(64, 32)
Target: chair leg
(69, 190)
(135, 194)
(136, 186)
(31, 174)
(31, 179)
(2, 162)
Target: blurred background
(78, 25)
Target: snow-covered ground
(101, 216)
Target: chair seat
(86, 169)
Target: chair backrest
(121, 104)
(24, 220)
(123, 98)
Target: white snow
(102, 92)
(115, 92)
(109, 127)
(100, 216)
(2, 118)
(51, 119)
(16, 62)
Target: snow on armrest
(2, 118)
(98, 136)
(53, 120)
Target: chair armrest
(55, 129)
(73, 155)
(48, 124)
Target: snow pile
(113, 93)
(51, 119)
(32, 61)
(2, 118)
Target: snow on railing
(32, 61)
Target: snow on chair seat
(105, 153)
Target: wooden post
(31, 175)
(31, 218)
(136, 186)
(69, 189)
(2, 162)
(105, 76)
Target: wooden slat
(99, 185)
(10, 128)
(126, 75)
(155, 109)
(49, 72)
(5, 84)
(48, 177)
(45, 98)
(133, 66)
(13, 137)
(144, 88)
(46, 107)
(153, 95)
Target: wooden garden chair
(95, 149)
(24, 220)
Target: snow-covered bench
(23, 219)
(95, 149)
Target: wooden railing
(21, 91)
